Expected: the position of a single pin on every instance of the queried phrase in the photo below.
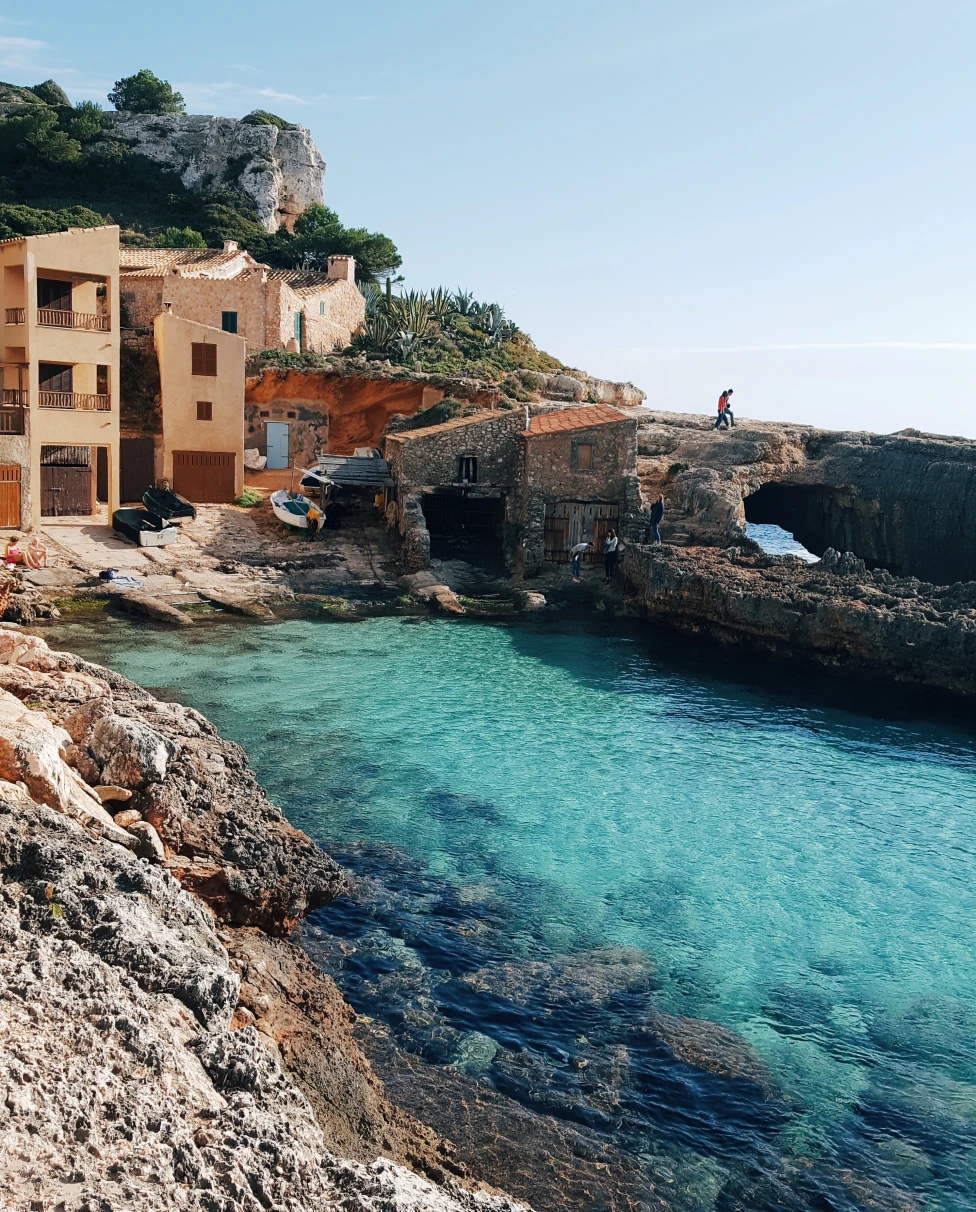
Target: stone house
(512, 486)
(59, 407)
(228, 289)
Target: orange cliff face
(327, 412)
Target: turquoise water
(796, 870)
(777, 541)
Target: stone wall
(432, 456)
(551, 474)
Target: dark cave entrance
(819, 516)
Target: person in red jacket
(723, 403)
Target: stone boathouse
(516, 486)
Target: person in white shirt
(610, 544)
(575, 555)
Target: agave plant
(404, 344)
(440, 302)
(411, 313)
(462, 302)
(373, 296)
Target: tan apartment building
(59, 408)
(228, 289)
(201, 378)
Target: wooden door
(572, 522)
(204, 476)
(136, 467)
(101, 474)
(66, 481)
(10, 496)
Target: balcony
(11, 418)
(50, 317)
(84, 401)
(16, 315)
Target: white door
(277, 436)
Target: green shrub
(262, 117)
(180, 237)
(248, 499)
(145, 93)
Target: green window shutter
(298, 325)
(322, 308)
(228, 321)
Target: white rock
(130, 753)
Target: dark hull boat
(165, 503)
(146, 529)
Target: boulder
(110, 793)
(130, 753)
(78, 757)
(127, 817)
(148, 843)
(18, 648)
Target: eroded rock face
(874, 625)
(130, 754)
(122, 1084)
(280, 170)
(904, 501)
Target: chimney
(342, 269)
(231, 246)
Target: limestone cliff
(905, 501)
(158, 1050)
(280, 170)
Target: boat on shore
(144, 528)
(291, 508)
(165, 503)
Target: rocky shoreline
(164, 1045)
(835, 613)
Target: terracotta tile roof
(302, 282)
(410, 435)
(567, 419)
(154, 262)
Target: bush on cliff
(145, 93)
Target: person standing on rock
(657, 517)
(728, 406)
(610, 544)
(312, 524)
(723, 403)
(575, 555)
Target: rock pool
(725, 920)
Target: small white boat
(291, 508)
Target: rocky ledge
(162, 1044)
(834, 613)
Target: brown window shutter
(204, 359)
(204, 410)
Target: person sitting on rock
(12, 555)
(657, 517)
(723, 403)
(36, 554)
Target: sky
(772, 195)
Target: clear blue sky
(776, 195)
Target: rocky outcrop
(152, 1056)
(835, 613)
(905, 501)
(279, 170)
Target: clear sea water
(777, 541)
(795, 862)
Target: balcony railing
(50, 317)
(82, 400)
(13, 396)
(11, 420)
(15, 315)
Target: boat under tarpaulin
(168, 504)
